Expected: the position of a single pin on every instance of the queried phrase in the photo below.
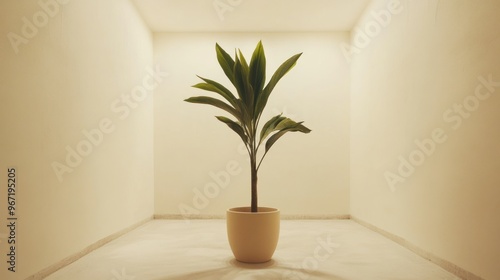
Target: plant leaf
(280, 72)
(287, 125)
(242, 83)
(238, 82)
(270, 126)
(258, 69)
(235, 127)
(213, 86)
(214, 102)
(243, 60)
(225, 62)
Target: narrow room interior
(107, 173)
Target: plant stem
(261, 159)
(253, 167)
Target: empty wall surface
(201, 168)
(425, 128)
(76, 124)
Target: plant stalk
(253, 168)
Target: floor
(198, 249)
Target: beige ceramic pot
(253, 237)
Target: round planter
(253, 237)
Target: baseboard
(283, 217)
(187, 217)
(452, 268)
(66, 261)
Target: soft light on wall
(425, 128)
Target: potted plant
(253, 231)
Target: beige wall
(200, 166)
(67, 73)
(418, 77)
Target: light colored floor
(198, 249)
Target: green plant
(247, 108)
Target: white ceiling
(250, 15)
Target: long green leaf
(245, 76)
(280, 72)
(258, 69)
(243, 60)
(286, 124)
(241, 82)
(213, 86)
(289, 126)
(214, 102)
(238, 81)
(235, 127)
(270, 126)
(225, 62)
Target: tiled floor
(198, 249)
